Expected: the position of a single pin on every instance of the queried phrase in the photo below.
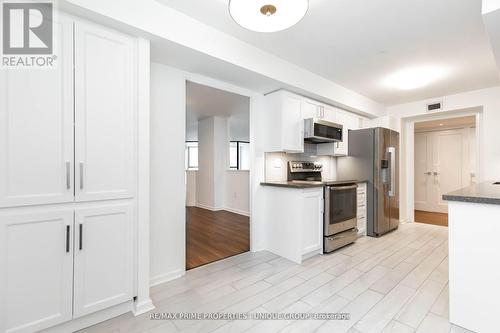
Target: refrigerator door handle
(392, 168)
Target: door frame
(213, 83)
(407, 161)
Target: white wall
(487, 100)
(167, 247)
(213, 150)
(205, 174)
(191, 188)
(221, 159)
(237, 192)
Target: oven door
(340, 208)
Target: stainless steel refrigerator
(374, 158)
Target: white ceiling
(203, 102)
(358, 43)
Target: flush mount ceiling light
(415, 77)
(268, 15)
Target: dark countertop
(309, 184)
(485, 193)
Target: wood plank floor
(431, 218)
(395, 283)
(212, 236)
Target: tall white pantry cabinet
(68, 170)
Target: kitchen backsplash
(276, 165)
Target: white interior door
(104, 113)
(103, 257)
(450, 164)
(36, 269)
(36, 128)
(442, 165)
(424, 197)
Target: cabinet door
(105, 106)
(36, 128)
(329, 114)
(310, 110)
(103, 257)
(341, 147)
(292, 124)
(36, 269)
(312, 226)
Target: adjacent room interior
(445, 161)
(217, 174)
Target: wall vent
(433, 107)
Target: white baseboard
(237, 211)
(91, 319)
(213, 209)
(216, 209)
(143, 307)
(162, 278)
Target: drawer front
(339, 240)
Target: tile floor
(396, 283)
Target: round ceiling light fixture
(268, 15)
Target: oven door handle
(341, 188)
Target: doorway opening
(217, 174)
(444, 161)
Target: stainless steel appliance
(304, 171)
(340, 218)
(340, 197)
(374, 157)
(321, 131)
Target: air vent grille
(433, 107)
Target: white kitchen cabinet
(312, 217)
(294, 222)
(362, 208)
(330, 114)
(104, 113)
(286, 124)
(310, 109)
(103, 257)
(36, 269)
(349, 121)
(36, 128)
(364, 122)
(68, 135)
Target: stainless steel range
(340, 211)
(340, 216)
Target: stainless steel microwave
(321, 131)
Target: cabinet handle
(81, 175)
(68, 175)
(80, 236)
(67, 239)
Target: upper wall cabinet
(36, 129)
(350, 122)
(104, 113)
(285, 123)
(65, 136)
